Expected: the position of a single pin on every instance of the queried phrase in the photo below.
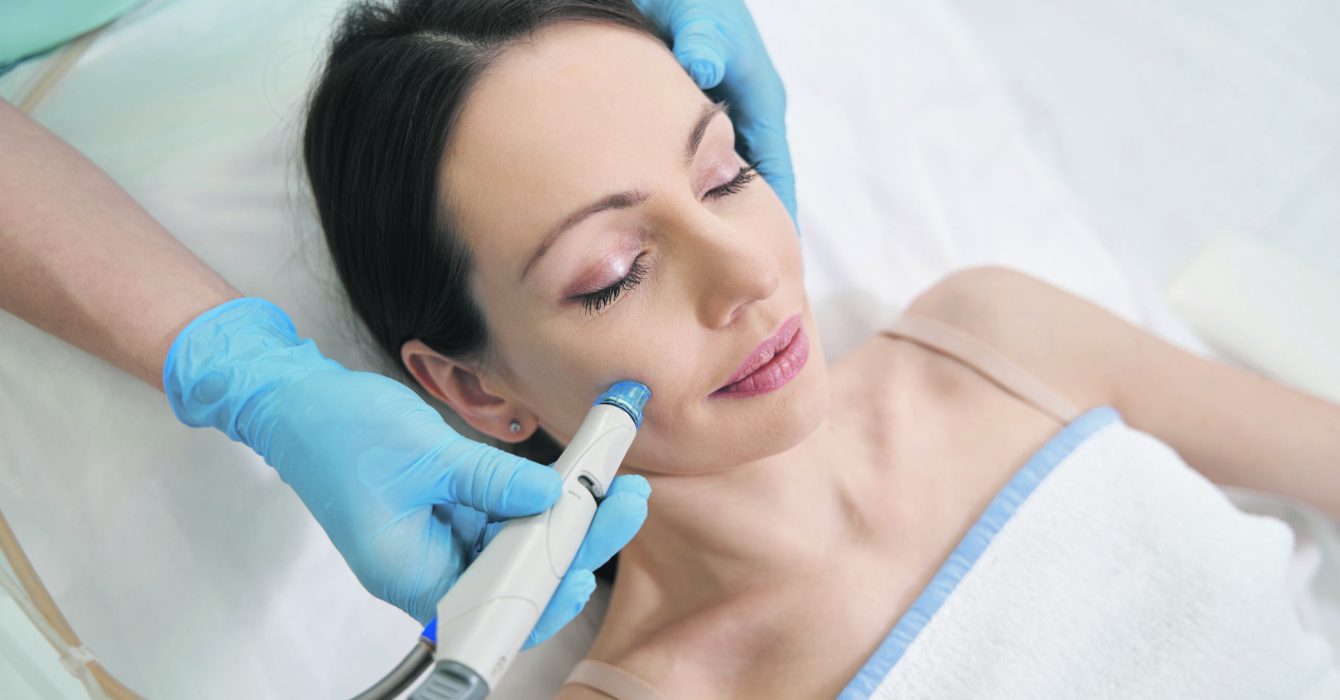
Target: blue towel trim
(970, 548)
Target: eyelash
(744, 177)
(595, 301)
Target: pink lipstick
(771, 365)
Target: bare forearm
(1242, 429)
(82, 260)
(1234, 426)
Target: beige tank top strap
(611, 680)
(985, 361)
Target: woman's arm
(82, 261)
(1232, 425)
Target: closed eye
(595, 301)
(743, 178)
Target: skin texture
(55, 274)
(54, 249)
(787, 532)
(755, 500)
(722, 273)
(719, 44)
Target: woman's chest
(945, 442)
(942, 443)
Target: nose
(730, 267)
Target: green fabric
(29, 27)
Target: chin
(780, 420)
(736, 431)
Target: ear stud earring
(515, 427)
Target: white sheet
(1178, 124)
(184, 562)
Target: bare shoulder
(1234, 426)
(1072, 345)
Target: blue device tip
(630, 396)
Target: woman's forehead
(581, 111)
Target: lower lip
(775, 374)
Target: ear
(461, 388)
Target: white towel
(1107, 568)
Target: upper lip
(765, 351)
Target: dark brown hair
(377, 127)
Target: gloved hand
(405, 499)
(717, 42)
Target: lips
(780, 356)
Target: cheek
(558, 387)
(686, 432)
(560, 383)
(663, 347)
(711, 436)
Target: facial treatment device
(485, 618)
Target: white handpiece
(485, 618)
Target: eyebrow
(711, 109)
(626, 199)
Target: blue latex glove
(406, 500)
(717, 42)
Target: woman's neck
(710, 540)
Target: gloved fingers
(499, 484)
(721, 48)
(698, 37)
(431, 564)
(466, 526)
(569, 599)
(701, 47)
(469, 527)
(617, 520)
(765, 145)
(490, 531)
(758, 111)
(719, 45)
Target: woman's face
(587, 157)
